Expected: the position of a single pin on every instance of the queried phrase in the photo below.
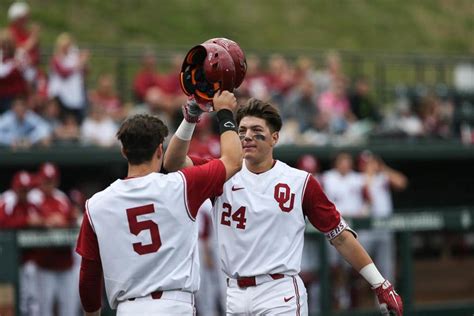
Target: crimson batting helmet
(210, 67)
(237, 55)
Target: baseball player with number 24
(260, 216)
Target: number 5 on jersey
(136, 227)
(238, 216)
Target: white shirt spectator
(99, 129)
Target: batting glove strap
(390, 302)
(191, 111)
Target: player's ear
(159, 151)
(123, 152)
(275, 137)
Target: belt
(186, 297)
(253, 280)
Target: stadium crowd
(45, 102)
(49, 106)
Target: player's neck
(260, 167)
(135, 171)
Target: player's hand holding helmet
(216, 65)
(192, 111)
(225, 100)
(390, 302)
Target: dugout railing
(460, 219)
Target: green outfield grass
(428, 26)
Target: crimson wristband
(226, 121)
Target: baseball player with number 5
(260, 221)
(140, 234)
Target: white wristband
(372, 275)
(185, 130)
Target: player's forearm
(351, 250)
(90, 286)
(175, 155)
(231, 153)
(356, 255)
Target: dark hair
(140, 136)
(263, 110)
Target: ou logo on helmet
(284, 197)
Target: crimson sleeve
(87, 243)
(90, 285)
(203, 182)
(197, 161)
(320, 211)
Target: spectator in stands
(66, 80)
(65, 130)
(436, 116)
(154, 105)
(22, 128)
(169, 82)
(301, 105)
(280, 78)
(403, 122)
(25, 35)
(12, 78)
(324, 79)
(51, 113)
(98, 128)
(55, 274)
(68, 131)
(304, 69)
(361, 103)
(106, 96)
(379, 180)
(147, 77)
(256, 84)
(16, 212)
(334, 107)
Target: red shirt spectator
(12, 82)
(25, 37)
(147, 77)
(106, 97)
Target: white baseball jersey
(135, 221)
(146, 231)
(345, 191)
(260, 220)
(380, 196)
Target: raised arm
(231, 149)
(176, 153)
(397, 180)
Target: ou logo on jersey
(284, 197)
